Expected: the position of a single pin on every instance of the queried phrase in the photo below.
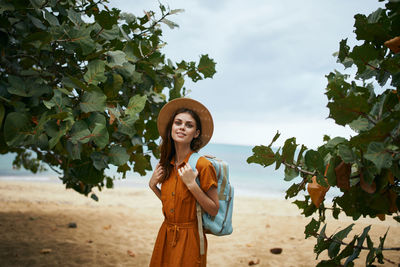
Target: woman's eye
(178, 123)
(189, 125)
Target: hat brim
(169, 109)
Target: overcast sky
(272, 58)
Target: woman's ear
(197, 133)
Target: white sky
(272, 58)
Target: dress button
(173, 193)
(172, 210)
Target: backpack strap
(193, 162)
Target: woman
(185, 126)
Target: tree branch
(316, 235)
(299, 169)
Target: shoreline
(121, 228)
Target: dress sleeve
(207, 174)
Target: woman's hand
(187, 175)
(156, 177)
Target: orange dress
(177, 243)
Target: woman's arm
(209, 200)
(155, 179)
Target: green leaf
(330, 174)
(16, 129)
(178, 84)
(80, 133)
(56, 138)
(38, 23)
(94, 197)
(293, 190)
(300, 155)
(136, 105)
(111, 34)
(347, 109)
(100, 135)
(375, 16)
(93, 101)
(343, 50)
(347, 251)
(74, 150)
(129, 73)
(74, 82)
(109, 183)
(57, 101)
(378, 251)
(113, 86)
(361, 124)
(288, 150)
(357, 250)
(332, 143)
(262, 155)
(116, 58)
(74, 17)
(169, 23)
(206, 66)
(126, 125)
(18, 86)
(118, 155)
(275, 138)
(35, 3)
(312, 228)
(81, 36)
(337, 238)
(128, 17)
(88, 174)
(322, 244)
(2, 112)
(142, 163)
(278, 159)
(124, 168)
(314, 161)
(370, 257)
(176, 11)
(364, 54)
(106, 19)
(100, 161)
(379, 156)
(378, 133)
(290, 174)
(329, 263)
(95, 72)
(51, 19)
(346, 154)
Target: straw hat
(207, 125)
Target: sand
(121, 228)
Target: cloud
(272, 58)
(308, 131)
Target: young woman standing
(185, 126)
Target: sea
(247, 179)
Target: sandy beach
(120, 229)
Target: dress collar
(186, 160)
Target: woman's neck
(181, 152)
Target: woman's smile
(184, 128)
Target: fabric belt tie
(175, 227)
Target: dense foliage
(366, 166)
(81, 86)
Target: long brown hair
(168, 146)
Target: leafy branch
(366, 166)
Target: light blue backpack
(221, 224)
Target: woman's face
(184, 128)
